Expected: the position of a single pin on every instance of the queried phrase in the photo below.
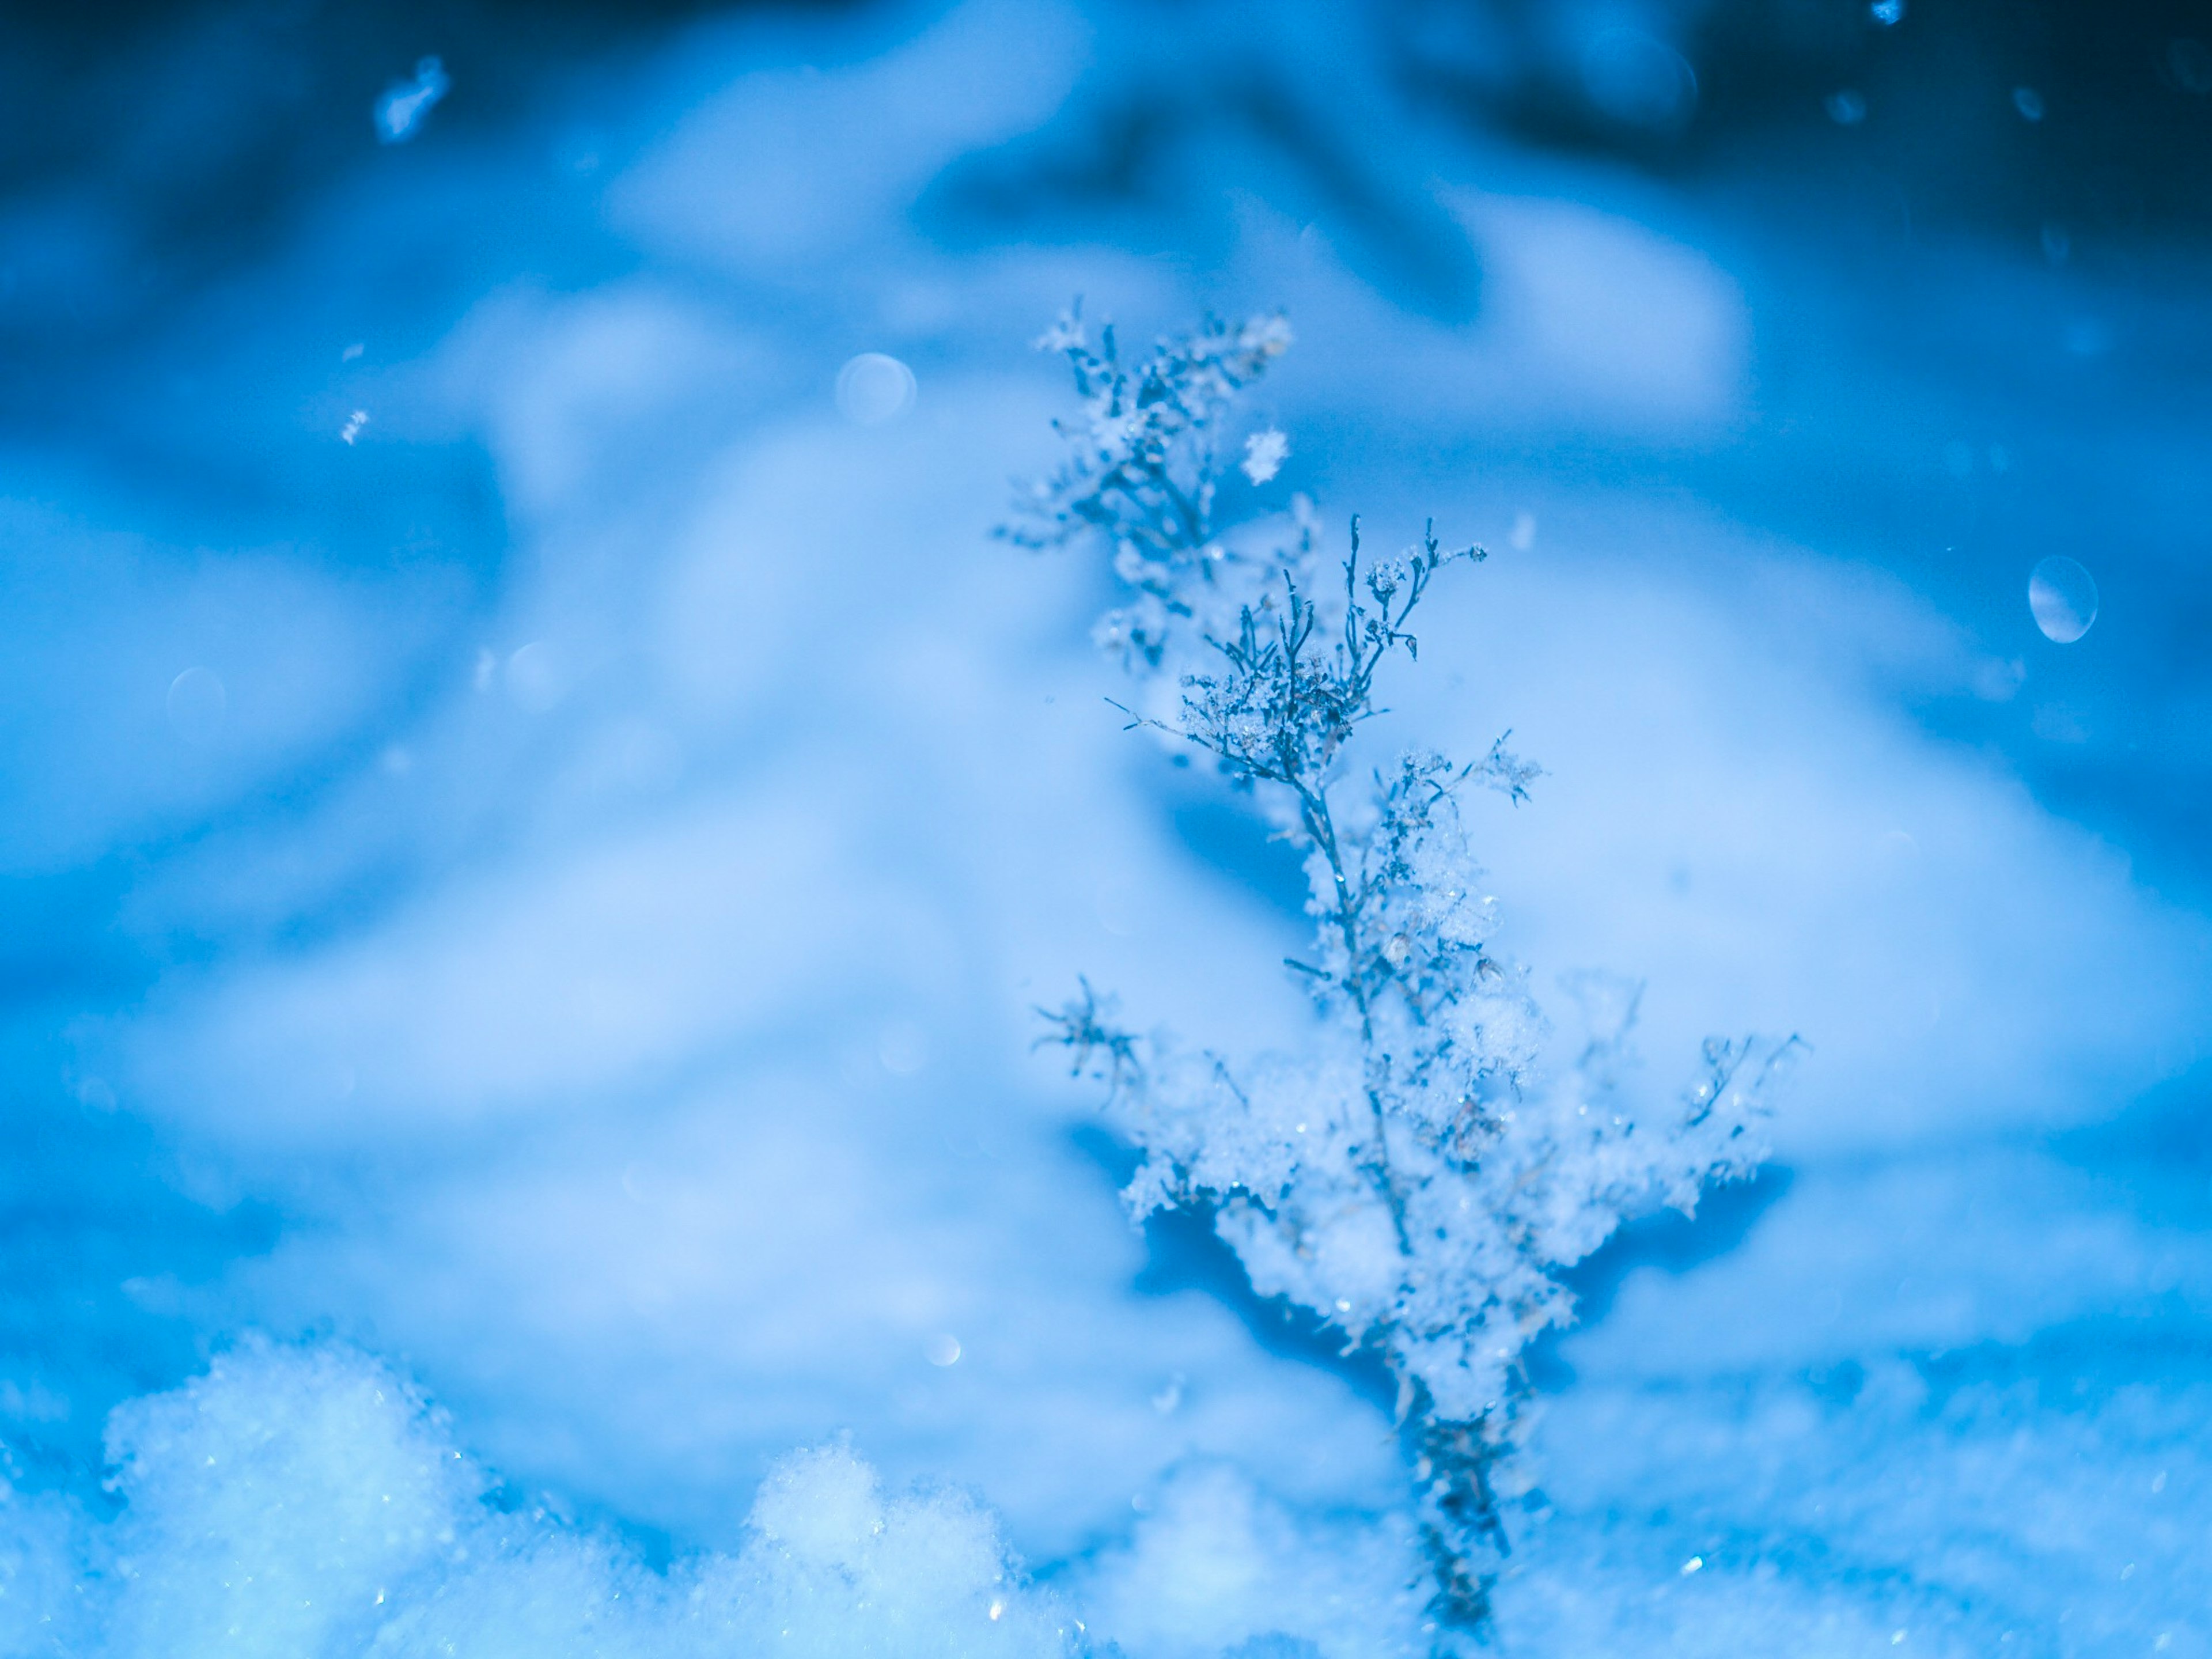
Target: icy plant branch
(1411, 1177)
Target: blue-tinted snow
(585, 960)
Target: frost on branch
(1140, 471)
(1411, 1177)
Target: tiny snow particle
(1695, 1563)
(352, 351)
(873, 388)
(1887, 12)
(1264, 454)
(535, 679)
(355, 422)
(196, 704)
(402, 106)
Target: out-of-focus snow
(606, 956)
(402, 108)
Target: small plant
(1412, 1178)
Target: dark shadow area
(58, 941)
(655, 1547)
(2170, 1126)
(205, 123)
(156, 143)
(1122, 159)
(2158, 1150)
(2005, 116)
(2077, 1365)
(99, 1258)
(1670, 1240)
(1183, 1252)
(1220, 830)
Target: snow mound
(298, 1501)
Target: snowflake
(1264, 454)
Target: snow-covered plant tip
(1413, 1177)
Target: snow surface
(588, 963)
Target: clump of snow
(1264, 455)
(280, 1496)
(306, 1500)
(1215, 1566)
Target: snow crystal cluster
(305, 1501)
(1414, 1177)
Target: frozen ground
(568, 943)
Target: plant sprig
(1413, 1179)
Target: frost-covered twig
(1410, 1176)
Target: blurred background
(536, 812)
